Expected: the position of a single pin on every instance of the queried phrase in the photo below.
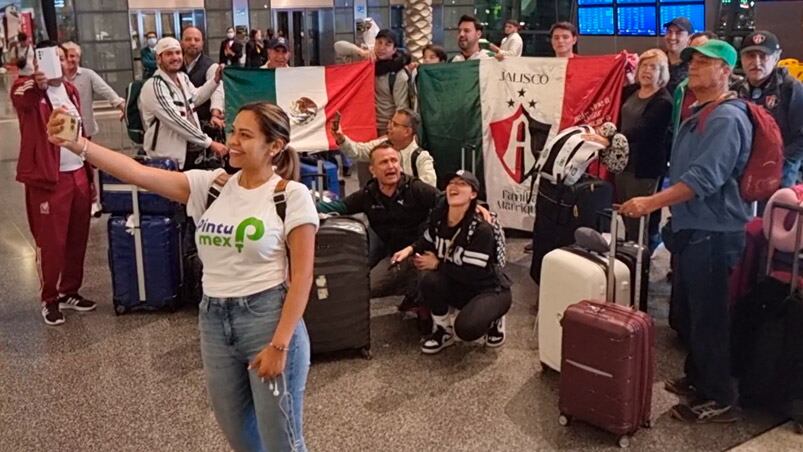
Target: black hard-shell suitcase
(561, 209)
(767, 345)
(338, 315)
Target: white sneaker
(97, 210)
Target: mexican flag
(503, 112)
(310, 96)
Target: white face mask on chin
(230, 35)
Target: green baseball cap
(713, 48)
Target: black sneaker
(705, 412)
(76, 303)
(409, 307)
(496, 333)
(437, 341)
(52, 314)
(681, 387)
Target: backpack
(414, 161)
(412, 94)
(133, 118)
(762, 173)
(279, 197)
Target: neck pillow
(784, 222)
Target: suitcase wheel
(564, 420)
(624, 442)
(366, 353)
(119, 309)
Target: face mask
(151, 42)
(230, 35)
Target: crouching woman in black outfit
(458, 257)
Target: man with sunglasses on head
(401, 135)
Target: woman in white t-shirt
(254, 344)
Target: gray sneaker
(705, 412)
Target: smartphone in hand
(49, 62)
(72, 126)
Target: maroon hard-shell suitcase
(608, 364)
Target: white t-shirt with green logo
(241, 239)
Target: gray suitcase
(338, 315)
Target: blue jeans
(233, 331)
(701, 287)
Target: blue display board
(595, 20)
(695, 14)
(594, 2)
(636, 21)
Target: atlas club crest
(517, 140)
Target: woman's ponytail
(287, 164)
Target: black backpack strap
(414, 161)
(280, 199)
(391, 82)
(212, 195)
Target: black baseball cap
(682, 23)
(386, 34)
(467, 176)
(763, 41)
(278, 42)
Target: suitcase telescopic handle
(798, 210)
(640, 245)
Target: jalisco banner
(310, 96)
(508, 110)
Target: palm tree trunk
(417, 26)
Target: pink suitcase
(608, 364)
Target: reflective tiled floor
(102, 382)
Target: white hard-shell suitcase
(569, 275)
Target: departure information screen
(594, 2)
(595, 21)
(695, 14)
(636, 17)
(636, 21)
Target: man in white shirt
(402, 129)
(278, 54)
(167, 105)
(469, 32)
(512, 44)
(89, 83)
(278, 57)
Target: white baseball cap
(167, 44)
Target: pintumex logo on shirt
(220, 235)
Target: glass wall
(219, 17)
(103, 32)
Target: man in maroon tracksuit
(58, 195)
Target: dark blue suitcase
(313, 170)
(117, 196)
(147, 276)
